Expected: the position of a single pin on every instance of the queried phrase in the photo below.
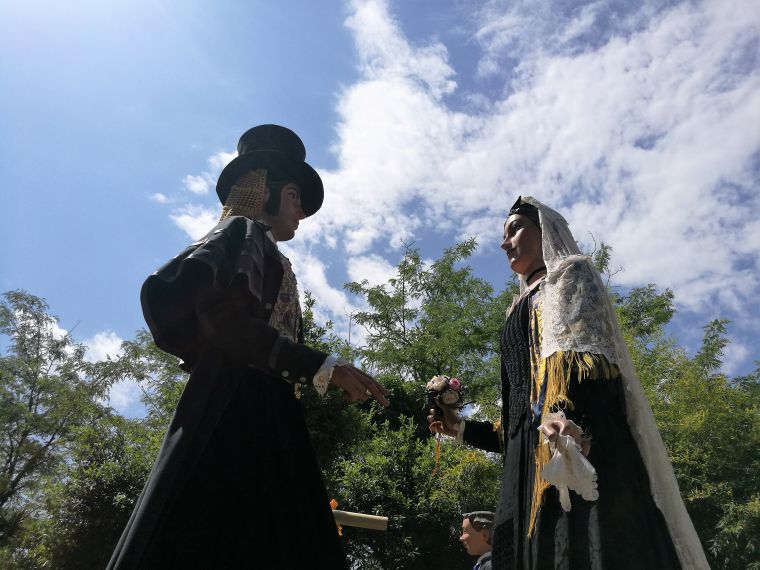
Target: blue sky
(639, 121)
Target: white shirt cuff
(323, 376)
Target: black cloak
(623, 529)
(236, 483)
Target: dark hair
(527, 210)
(276, 181)
(481, 520)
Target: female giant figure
(567, 377)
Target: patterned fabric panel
(286, 314)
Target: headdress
(578, 317)
(273, 148)
(525, 209)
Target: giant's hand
(553, 428)
(357, 386)
(445, 423)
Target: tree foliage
(391, 473)
(89, 506)
(433, 319)
(47, 390)
(72, 468)
(710, 425)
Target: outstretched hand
(444, 421)
(357, 386)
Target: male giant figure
(236, 483)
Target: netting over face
(247, 196)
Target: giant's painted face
(285, 223)
(522, 242)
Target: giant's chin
(285, 234)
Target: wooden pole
(373, 522)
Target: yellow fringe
(556, 371)
(535, 329)
(499, 429)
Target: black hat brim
(312, 190)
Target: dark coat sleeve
(597, 398)
(226, 322)
(221, 291)
(482, 435)
(235, 247)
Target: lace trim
(323, 376)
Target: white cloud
(641, 141)
(159, 198)
(124, 397)
(734, 355)
(637, 121)
(218, 161)
(57, 331)
(194, 220)
(384, 54)
(312, 274)
(374, 268)
(203, 182)
(198, 184)
(103, 345)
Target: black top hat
(278, 148)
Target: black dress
(236, 483)
(623, 529)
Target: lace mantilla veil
(578, 316)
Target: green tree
(78, 495)
(436, 319)
(428, 319)
(335, 425)
(109, 462)
(88, 507)
(73, 468)
(390, 474)
(711, 428)
(47, 390)
(709, 423)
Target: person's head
(270, 180)
(271, 198)
(476, 532)
(282, 209)
(522, 239)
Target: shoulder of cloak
(576, 311)
(236, 245)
